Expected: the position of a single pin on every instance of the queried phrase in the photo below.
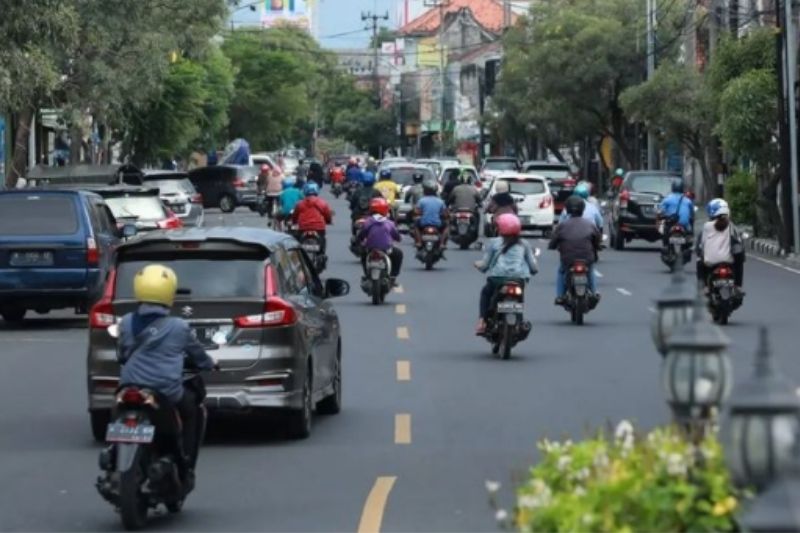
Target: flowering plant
(621, 483)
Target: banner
(428, 52)
(289, 12)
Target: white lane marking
(624, 292)
(798, 391)
(651, 309)
(776, 264)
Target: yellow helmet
(155, 284)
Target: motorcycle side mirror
(113, 330)
(336, 287)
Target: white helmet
(717, 207)
(501, 187)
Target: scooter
(336, 189)
(505, 325)
(679, 245)
(431, 251)
(579, 299)
(356, 247)
(311, 242)
(377, 282)
(464, 228)
(723, 299)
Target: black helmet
(429, 187)
(417, 177)
(677, 186)
(575, 206)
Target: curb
(770, 248)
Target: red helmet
(265, 168)
(379, 206)
(508, 225)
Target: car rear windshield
(653, 184)
(553, 172)
(404, 176)
(450, 173)
(138, 207)
(525, 186)
(207, 276)
(37, 215)
(501, 164)
(172, 186)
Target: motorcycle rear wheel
(376, 292)
(132, 504)
(505, 342)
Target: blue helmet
(717, 207)
(582, 190)
(287, 183)
(368, 178)
(677, 186)
(311, 189)
(386, 174)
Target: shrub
(741, 192)
(659, 483)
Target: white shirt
(716, 245)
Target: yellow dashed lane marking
(374, 507)
(402, 428)
(402, 333)
(400, 309)
(404, 371)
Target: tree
(366, 127)
(384, 35)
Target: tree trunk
(75, 144)
(19, 161)
(555, 150)
(767, 213)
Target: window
(307, 283)
(171, 186)
(554, 172)
(37, 215)
(525, 187)
(501, 164)
(137, 207)
(652, 184)
(404, 176)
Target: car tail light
(92, 252)
(239, 183)
(197, 198)
(579, 268)
(105, 383)
(724, 272)
(172, 222)
(546, 202)
(570, 182)
(102, 314)
(512, 290)
(277, 312)
(624, 198)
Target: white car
(256, 160)
(534, 201)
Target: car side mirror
(336, 287)
(129, 230)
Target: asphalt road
(428, 414)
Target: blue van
(56, 248)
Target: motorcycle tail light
(624, 198)
(512, 290)
(131, 396)
(375, 256)
(430, 230)
(310, 234)
(724, 272)
(579, 268)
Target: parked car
(633, 210)
(56, 247)
(559, 177)
(534, 202)
(492, 166)
(254, 300)
(140, 207)
(226, 186)
(178, 194)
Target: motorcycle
(579, 299)
(723, 299)
(336, 189)
(431, 251)
(505, 325)
(356, 247)
(261, 204)
(311, 242)
(679, 245)
(377, 282)
(464, 228)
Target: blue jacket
(289, 199)
(669, 207)
(353, 174)
(591, 213)
(518, 262)
(152, 348)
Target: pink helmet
(508, 225)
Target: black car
(634, 208)
(559, 179)
(226, 186)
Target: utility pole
(652, 153)
(373, 25)
(441, 4)
(790, 44)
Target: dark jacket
(576, 239)
(502, 203)
(464, 197)
(359, 203)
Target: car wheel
(300, 419)
(332, 404)
(13, 314)
(99, 421)
(227, 203)
(619, 240)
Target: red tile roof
(488, 13)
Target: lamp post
(673, 308)
(777, 509)
(763, 423)
(696, 373)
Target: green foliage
(741, 192)
(735, 57)
(366, 127)
(658, 483)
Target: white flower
(492, 486)
(624, 428)
(528, 501)
(580, 491)
(601, 460)
(587, 519)
(582, 474)
(676, 465)
(501, 515)
(563, 462)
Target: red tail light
(624, 198)
(724, 272)
(375, 256)
(277, 311)
(430, 230)
(173, 222)
(677, 229)
(132, 396)
(579, 268)
(569, 182)
(131, 422)
(239, 183)
(197, 198)
(102, 314)
(546, 202)
(512, 290)
(92, 252)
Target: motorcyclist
(371, 165)
(263, 176)
(289, 199)
(353, 175)
(337, 175)
(719, 243)
(453, 180)
(360, 201)
(501, 201)
(507, 257)
(389, 189)
(152, 349)
(617, 179)
(464, 196)
(576, 239)
(316, 173)
(676, 208)
(590, 188)
(312, 213)
(590, 212)
(380, 233)
(274, 186)
(415, 192)
(430, 211)
(302, 170)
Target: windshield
(403, 176)
(138, 207)
(500, 164)
(525, 187)
(37, 215)
(653, 184)
(452, 173)
(549, 171)
(172, 186)
(214, 276)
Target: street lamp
(778, 508)
(673, 308)
(763, 424)
(696, 373)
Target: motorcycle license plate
(138, 434)
(509, 307)
(462, 228)
(375, 265)
(430, 238)
(311, 247)
(677, 240)
(722, 283)
(580, 280)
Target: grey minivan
(254, 300)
